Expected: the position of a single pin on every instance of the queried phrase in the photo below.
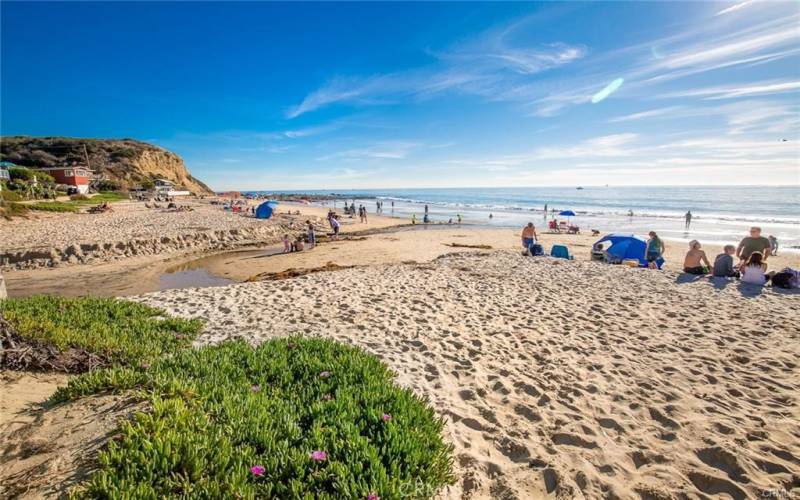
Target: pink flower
(373, 496)
(325, 374)
(255, 388)
(258, 470)
(327, 397)
(386, 417)
(144, 366)
(318, 456)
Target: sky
(262, 96)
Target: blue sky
(378, 95)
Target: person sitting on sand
(286, 246)
(654, 250)
(299, 246)
(528, 237)
(723, 263)
(599, 254)
(753, 243)
(755, 270)
(694, 257)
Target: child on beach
(286, 246)
(755, 270)
(312, 237)
(723, 263)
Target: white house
(167, 188)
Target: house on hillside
(74, 176)
(165, 188)
(4, 166)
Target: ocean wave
(598, 211)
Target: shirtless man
(528, 236)
(694, 259)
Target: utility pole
(86, 154)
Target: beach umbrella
(567, 214)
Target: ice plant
(386, 417)
(258, 470)
(325, 374)
(318, 456)
(373, 496)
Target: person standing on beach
(528, 237)
(459, 218)
(335, 227)
(413, 219)
(773, 245)
(426, 209)
(753, 243)
(688, 218)
(312, 237)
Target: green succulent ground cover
(119, 331)
(291, 418)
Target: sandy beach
(561, 379)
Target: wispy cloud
(390, 150)
(476, 67)
(735, 7)
(739, 90)
(651, 113)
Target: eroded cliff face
(127, 162)
(163, 164)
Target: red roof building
(78, 177)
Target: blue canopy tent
(264, 211)
(627, 246)
(567, 214)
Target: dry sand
(565, 379)
(48, 449)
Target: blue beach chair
(560, 252)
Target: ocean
(721, 214)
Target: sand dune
(565, 379)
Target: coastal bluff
(126, 162)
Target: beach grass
(291, 418)
(118, 331)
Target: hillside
(125, 161)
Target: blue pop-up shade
(264, 211)
(627, 246)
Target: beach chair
(562, 226)
(560, 252)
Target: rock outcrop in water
(126, 162)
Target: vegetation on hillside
(116, 159)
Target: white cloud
(739, 90)
(735, 7)
(490, 64)
(651, 113)
(391, 150)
